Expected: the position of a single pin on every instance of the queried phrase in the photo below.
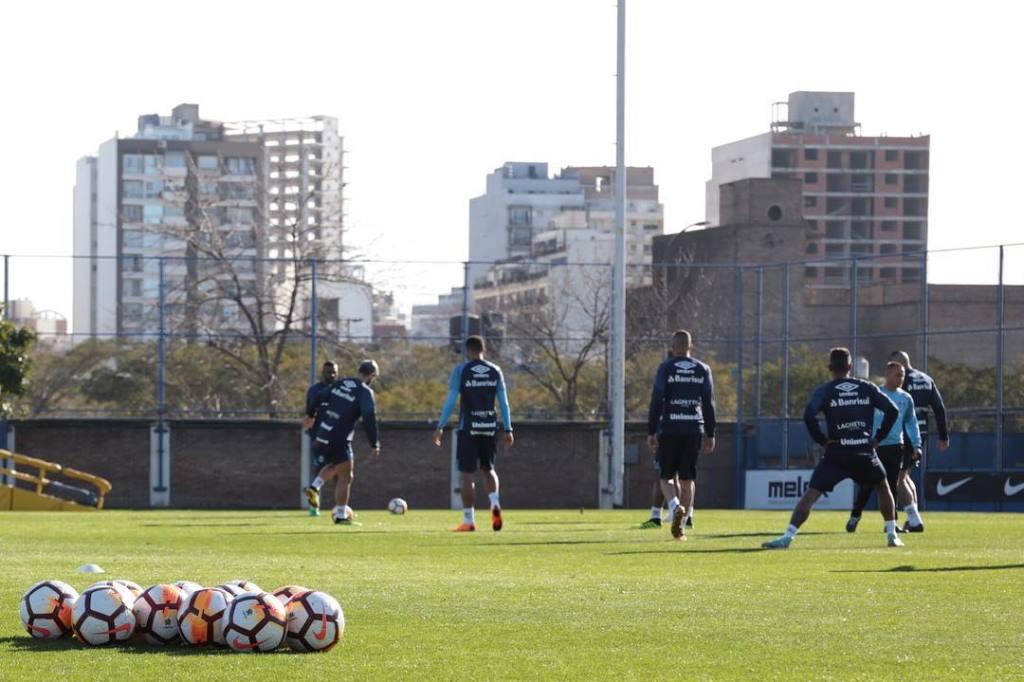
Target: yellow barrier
(14, 498)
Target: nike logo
(123, 627)
(1012, 490)
(239, 644)
(43, 631)
(320, 636)
(946, 489)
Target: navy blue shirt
(683, 399)
(477, 384)
(345, 402)
(313, 406)
(849, 406)
(925, 393)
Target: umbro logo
(685, 364)
(348, 383)
(847, 387)
(480, 370)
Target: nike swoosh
(239, 644)
(123, 627)
(1012, 490)
(320, 636)
(36, 628)
(946, 489)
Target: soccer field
(557, 595)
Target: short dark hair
(892, 364)
(684, 335)
(328, 363)
(368, 367)
(475, 344)
(840, 359)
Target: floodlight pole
(618, 354)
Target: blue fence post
(1000, 311)
(161, 379)
(785, 366)
(312, 323)
(738, 459)
(853, 311)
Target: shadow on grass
(27, 643)
(942, 569)
(31, 645)
(201, 525)
(765, 534)
(682, 548)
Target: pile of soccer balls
(237, 614)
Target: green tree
(15, 363)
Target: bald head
(682, 343)
(901, 357)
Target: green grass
(557, 595)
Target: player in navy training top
(849, 406)
(348, 401)
(477, 384)
(681, 415)
(314, 405)
(925, 393)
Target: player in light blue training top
(895, 458)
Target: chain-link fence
(189, 337)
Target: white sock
(317, 483)
(672, 504)
(890, 527)
(689, 514)
(494, 499)
(791, 531)
(468, 515)
(343, 511)
(912, 514)
(655, 512)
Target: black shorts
(908, 457)
(330, 455)
(863, 467)
(677, 454)
(475, 451)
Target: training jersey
(905, 421)
(683, 399)
(477, 384)
(925, 393)
(345, 402)
(313, 405)
(849, 406)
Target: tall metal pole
(923, 360)
(853, 312)
(1000, 311)
(738, 463)
(7, 290)
(758, 350)
(161, 381)
(618, 355)
(312, 324)
(785, 366)
(455, 501)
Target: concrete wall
(255, 464)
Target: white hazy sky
(431, 96)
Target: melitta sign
(974, 486)
(781, 488)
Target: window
(836, 230)
(912, 275)
(915, 184)
(860, 230)
(238, 191)
(207, 162)
(860, 160)
(518, 215)
(811, 178)
(131, 164)
(131, 239)
(812, 248)
(153, 213)
(131, 213)
(650, 227)
(835, 182)
(240, 165)
(889, 225)
(152, 189)
(913, 207)
(836, 206)
(174, 159)
(238, 216)
(208, 188)
(174, 211)
(783, 158)
(152, 164)
(912, 231)
(892, 179)
(519, 236)
(811, 154)
(132, 312)
(133, 287)
(892, 155)
(888, 272)
(810, 201)
(860, 249)
(887, 249)
(132, 189)
(835, 249)
(835, 160)
(131, 263)
(892, 202)
(811, 272)
(914, 160)
(862, 206)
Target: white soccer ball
(256, 622)
(201, 620)
(187, 587)
(156, 613)
(46, 609)
(237, 587)
(286, 592)
(315, 622)
(103, 614)
(398, 506)
(133, 587)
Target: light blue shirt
(907, 419)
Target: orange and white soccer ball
(187, 587)
(398, 506)
(237, 587)
(133, 587)
(286, 592)
(256, 622)
(315, 622)
(103, 615)
(202, 618)
(156, 613)
(46, 609)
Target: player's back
(920, 386)
(344, 405)
(685, 382)
(848, 406)
(479, 381)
